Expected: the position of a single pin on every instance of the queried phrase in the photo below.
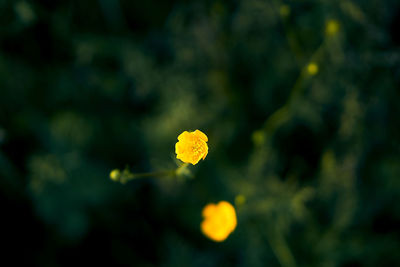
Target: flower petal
(209, 210)
(206, 153)
(183, 135)
(201, 135)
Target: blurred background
(299, 99)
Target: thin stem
(282, 114)
(128, 176)
(289, 35)
(281, 250)
(125, 179)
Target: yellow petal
(183, 135)
(201, 135)
(213, 232)
(206, 153)
(179, 148)
(228, 212)
(208, 210)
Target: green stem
(291, 40)
(281, 115)
(282, 251)
(280, 248)
(127, 176)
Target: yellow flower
(115, 175)
(191, 147)
(312, 68)
(258, 137)
(219, 221)
(240, 200)
(332, 27)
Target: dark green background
(89, 86)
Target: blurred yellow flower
(332, 27)
(240, 200)
(284, 10)
(115, 174)
(219, 221)
(312, 68)
(258, 137)
(191, 147)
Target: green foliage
(87, 87)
